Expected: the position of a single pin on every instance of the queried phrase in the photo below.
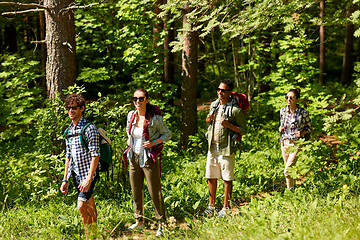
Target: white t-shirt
(137, 135)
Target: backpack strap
(215, 106)
(131, 121)
(83, 140)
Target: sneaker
(160, 231)
(208, 212)
(136, 226)
(224, 212)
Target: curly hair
(80, 101)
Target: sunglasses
(72, 108)
(289, 97)
(141, 99)
(222, 90)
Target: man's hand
(85, 185)
(209, 118)
(298, 134)
(225, 122)
(63, 187)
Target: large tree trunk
(189, 84)
(347, 67)
(322, 44)
(60, 40)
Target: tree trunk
(169, 64)
(157, 29)
(60, 40)
(189, 85)
(322, 44)
(347, 67)
(43, 51)
(10, 43)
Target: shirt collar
(81, 122)
(287, 108)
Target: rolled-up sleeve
(94, 140)
(163, 130)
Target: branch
(17, 4)
(38, 42)
(75, 6)
(21, 12)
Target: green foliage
(19, 93)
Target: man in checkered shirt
(80, 163)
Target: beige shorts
(219, 166)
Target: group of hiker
(147, 131)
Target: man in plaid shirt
(81, 163)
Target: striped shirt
(80, 158)
(299, 121)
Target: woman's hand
(281, 129)
(298, 134)
(148, 144)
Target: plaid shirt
(300, 121)
(80, 158)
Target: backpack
(241, 100)
(105, 146)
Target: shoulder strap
(66, 133)
(83, 139)
(131, 121)
(215, 106)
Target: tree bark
(169, 60)
(189, 84)
(322, 44)
(347, 66)
(60, 40)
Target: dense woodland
(179, 50)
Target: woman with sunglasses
(294, 124)
(146, 133)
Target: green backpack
(105, 146)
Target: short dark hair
(228, 83)
(80, 101)
(296, 92)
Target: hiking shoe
(160, 231)
(224, 212)
(208, 212)
(136, 226)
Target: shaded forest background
(178, 50)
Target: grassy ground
(280, 215)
